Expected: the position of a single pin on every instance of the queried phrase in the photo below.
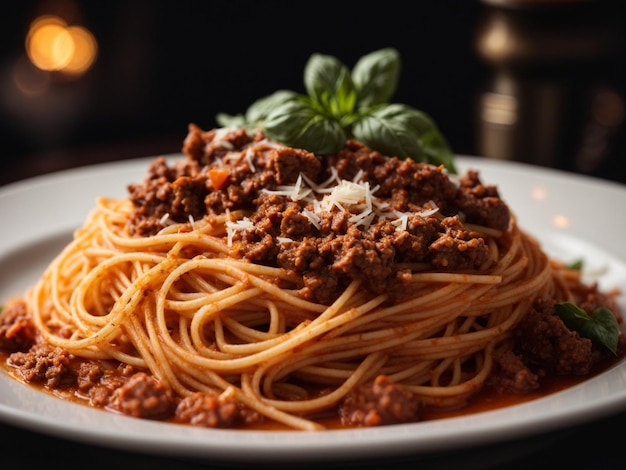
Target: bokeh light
(53, 45)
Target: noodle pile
(175, 303)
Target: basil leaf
(404, 132)
(376, 76)
(604, 328)
(387, 130)
(576, 265)
(297, 123)
(340, 104)
(600, 327)
(329, 84)
(259, 110)
(228, 120)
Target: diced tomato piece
(218, 177)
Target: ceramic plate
(573, 217)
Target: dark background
(550, 90)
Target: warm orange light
(560, 221)
(85, 50)
(48, 45)
(539, 193)
(54, 46)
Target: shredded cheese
(232, 227)
(220, 136)
(249, 154)
(313, 218)
(356, 197)
(166, 220)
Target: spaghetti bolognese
(254, 281)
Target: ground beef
(142, 396)
(511, 374)
(322, 284)
(542, 345)
(409, 186)
(176, 193)
(43, 364)
(17, 332)
(328, 253)
(214, 411)
(202, 146)
(89, 375)
(544, 342)
(97, 381)
(481, 204)
(288, 164)
(379, 403)
(458, 248)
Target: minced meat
(331, 248)
(379, 403)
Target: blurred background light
(54, 46)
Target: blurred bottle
(555, 94)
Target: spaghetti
(188, 304)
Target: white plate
(573, 216)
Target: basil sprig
(600, 327)
(342, 104)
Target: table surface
(596, 444)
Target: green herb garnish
(600, 327)
(342, 104)
(576, 265)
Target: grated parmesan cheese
(296, 192)
(166, 220)
(356, 197)
(401, 222)
(313, 218)
(249, 154)
(232, 227)
(219, 141)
